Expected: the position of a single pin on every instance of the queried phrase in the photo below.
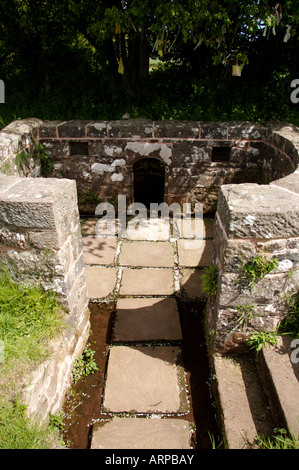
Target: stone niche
(250, 169)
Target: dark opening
(78, 148)
(221, 154)
(149, 180)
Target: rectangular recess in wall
(221, 154)
(78, 148)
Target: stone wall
(100, 156)
(39, 220)
(254, 220)
(40, 241)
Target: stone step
(147, 319)
(280, 378)
(145, 379)
(141, 433)
(243, 407)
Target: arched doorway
(149, 181)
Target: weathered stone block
(290, 183)
(42, 240)
(176, 129)
(107, 149)
(48, 129)
(136, 150)
(190, 152)
(213, 130)
(253, 211)
(229, 253)
(75, 128)
(267, 291)
(97, 129)
(13, 239)
(56, 148)
(131, 128)
(246, 130)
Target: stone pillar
(41, 242)
(251, 220)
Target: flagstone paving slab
(147, 282)
(191, 282)
(141, 319)
(100, 227)
(148, 229)
(141, 433)
(99, 250)
(100, 281)
(194, 253)
(195, 228)
(142, 253)
(143, 379)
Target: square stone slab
(99, 227)
(100, 281)
(99, 250)
(147, 282)
(194, 253)
(141, 433)
(141, 253)
(143, 379)
(142, 319)
(195, 228)
(88, 227)
(148, 229)
(191, 282)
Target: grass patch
(279, 440)
(17, 431)
(209, 280)
(258, 340)
(29, 319)
(290, 324)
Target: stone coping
(22, 132)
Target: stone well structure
(250, 169)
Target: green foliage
(245, 312)
(17, 431)
(44, 157)
(22, 158)
(84, 365)
(40, 154)
(56, 421)
(29, 318)
(90, 197)
(258, 340)
(280, 439)
(290, 324)
(256, 269)
(209, 280)
(76, 49)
